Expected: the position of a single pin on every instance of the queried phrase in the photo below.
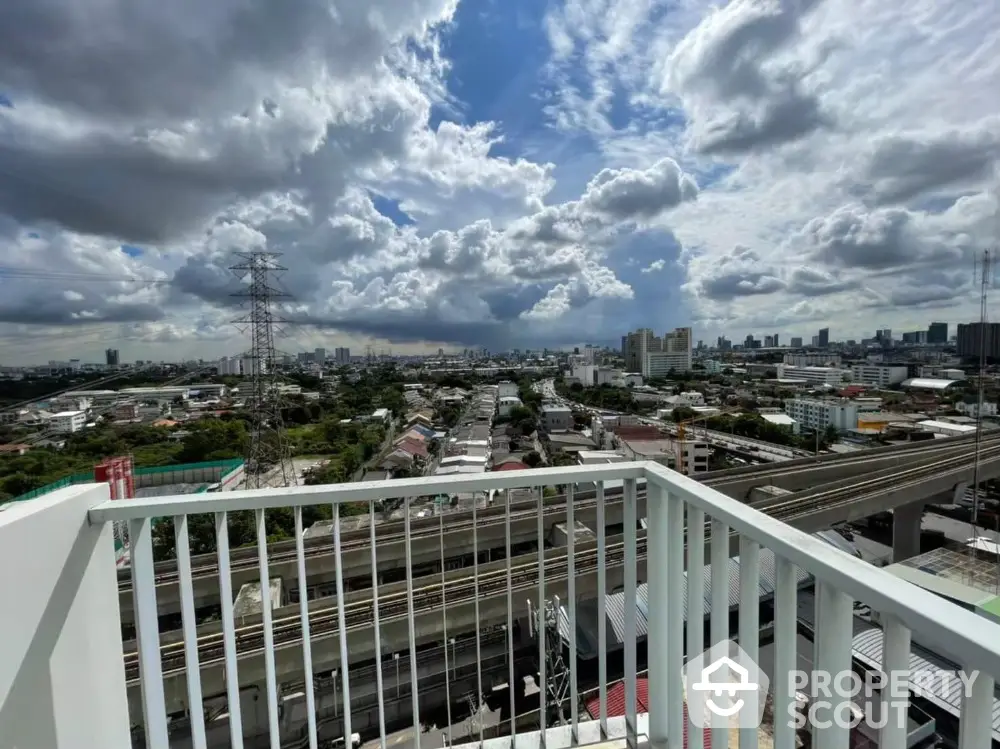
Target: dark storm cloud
(741, 273)
(902, 167)
(730, 66)
(175, 60)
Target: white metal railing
(401, 617)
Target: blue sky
(500, 172)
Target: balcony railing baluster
(228, 630)
(510, 627)
(673, 610)
(444, 622)
(540, 624)
(345, 678)
(270, 679)
(695, 599)
(834, 634)
(975, 730)
(475, 592)
(412, 640)
(895, 660)
(786, 638)
(571, 611)
(148, 633)
(307, 669)
(719, 627)
(376, 626)
(189, 624)
(749, 617)
(630, 574)
(602, 619)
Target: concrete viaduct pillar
(906, 531)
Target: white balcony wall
(62, 682)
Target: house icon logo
(725, 688)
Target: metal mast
(268, 461)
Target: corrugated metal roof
(945, 693)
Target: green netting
(226, 466)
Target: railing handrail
(363, 491)
(966, 636)
(948, 627)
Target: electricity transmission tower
(268, 461)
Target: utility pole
(268, 458)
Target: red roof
(411, 446)
(513, 465)
(616, 707)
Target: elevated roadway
(454, 604)
(792, 475)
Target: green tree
(532, 459)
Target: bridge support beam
(906, 531)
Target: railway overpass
(793, 475)
(464, 602)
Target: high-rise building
(796, 343)
(937, 332)
(320, 356)
(972, 336)
(769, 341)
(775, 337)
(342, 356)
(636, 345)
(111, 357)
(824, 337)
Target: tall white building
(661, 355)
(816, 414)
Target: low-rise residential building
(507, 389)
(557, 418)
(879, 376)
(67, 422)
(817, 414)
(784, 421)
(814, 375)
(973, 409)
(506, 404)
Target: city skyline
(596, 175)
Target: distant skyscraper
(319, 356)
(937, 332)
(824, 337)
(775, 336)
(111, 357)
(342, 356)
(796, 343)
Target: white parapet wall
(57, 689)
